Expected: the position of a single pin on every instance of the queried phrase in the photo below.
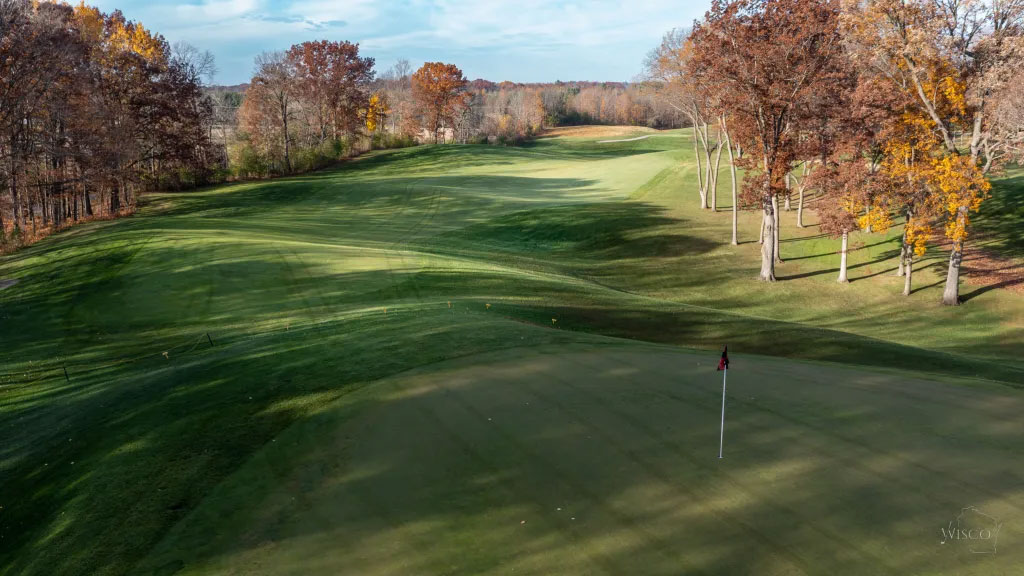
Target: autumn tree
(846, 187)
(953, 58)
(439, 91)
(770, 58)
(269, 105)
(332, 80)
(680, 82)
(377, 111)
(93, 108)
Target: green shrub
(385, 140)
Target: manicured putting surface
(602, 459)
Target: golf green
(603, 459)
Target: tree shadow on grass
(988, 288)
(604, 231)
(1000, 217)
(520, 454)
(814, 273)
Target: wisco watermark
(974, 529)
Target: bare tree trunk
(718, 165)
(284, 119)
(800, 208)
(775, 209)
(789, 188)
(703, 181)
(951, 295)
(842, 259)
(867, 212)
(19, 217)
(732, 171)
(760, 239)
(800, 197)
(903, 247)
(32, 212)
(768, 248)
(909, 273)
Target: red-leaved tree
(439, 90)
(771, 59)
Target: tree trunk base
(951, 294)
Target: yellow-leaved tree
(376, 112)
(947, 59)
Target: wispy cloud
(497, 39)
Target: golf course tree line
(304, 107)
(318, 101)
(93, 109)
(881, 108)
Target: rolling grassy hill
(296, 376)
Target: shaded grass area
(998, 226)
(601, 458)
(199, 330)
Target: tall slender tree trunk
(768, 248)
(115, 199)
(842, 259)
(718, 166)
(800, 207)
(284, 122)
(32, 212)
(88, 203)
(951, 295)
(800, 197)
(19, 217)
(775, 241)
(735, 199)
(909, 269)
(903, 247)
(703, 181)
(789, 189)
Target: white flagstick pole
(721, 437)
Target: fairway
(477, 360)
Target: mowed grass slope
(226, 349)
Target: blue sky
(517, 40)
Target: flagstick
(721, 437)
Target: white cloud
(348, 11)
(580, 30)
(215, 11)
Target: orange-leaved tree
(439, 91)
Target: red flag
(723, 364)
